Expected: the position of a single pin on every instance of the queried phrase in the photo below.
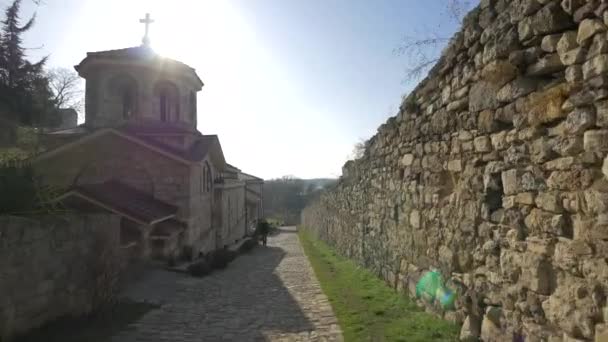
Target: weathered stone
(546, 106)
(601, 332)
(536, 273)
(601, 109)
(483, 96)
(499, 72)
(546, 66)
(595, 66)
(482, 144)
(458, 105)
(516, 181)
(598, 46)
(588, 28)
(570, 180)
(549, 43)
(545, 223)
(549, 19)
(574, 74)
(596, 140)
(415, 219)
(521, 86)
(580, 120)
(525, 198)
(470, 330)
(491, 331)
(407, 159)
(549, 202)
(575, 56)
(567, 42)
(564, 163)
(570, 6)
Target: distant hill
(284, 198)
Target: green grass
(98, 327)
(366, 308)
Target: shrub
(248, 245)
(200, 268)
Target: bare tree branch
(67, 88)
(423, 51)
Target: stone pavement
(270, 294)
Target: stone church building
(139, 155)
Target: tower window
(193, 107)
(168, 101)
(122, 96)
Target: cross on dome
(147, 21)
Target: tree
(358, 149)
(24, 89)
(424, 51)
(66, 87)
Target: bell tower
(136, 85)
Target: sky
(290, 85)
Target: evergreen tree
(24, 89)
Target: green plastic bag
(430, 288)
(427, 286)
(446, 297)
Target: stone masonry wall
(45, 267)
(494, 172)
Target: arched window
(168, 101)
(122, 91)
(193, 107)
(206, 180)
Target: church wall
(201, 235)
(110, 157)
(232, 208)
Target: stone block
(601, 109)
(483, 96)
(407, 159)
(574, 74)
(540, 222)
(588, 28)
(455, 165)
(470, 330)
(549, 43)
(601, 332)
(596, 140)
(521, 86)
(598, 65)
(572, 57)
(525, 198)
(546, 66)
(580, 120)
(483, 144)
(567, 42)
(516, 181)
(549, 202)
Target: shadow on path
(252, 300)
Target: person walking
(263, 229)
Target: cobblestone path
(270, 294)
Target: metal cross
(147, 20)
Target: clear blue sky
(290, 85)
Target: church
(140, 155)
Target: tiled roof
(138, 53)
(167, 228)
(158, 128)
(125, 200)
